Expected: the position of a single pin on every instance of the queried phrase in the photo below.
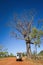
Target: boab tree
(22, 27)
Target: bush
(11, 55)
(3, 54)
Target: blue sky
(7, 10)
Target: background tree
(1, 48)
(36, 35)
(3, 52)
(22, 28)
(24, 54)
(11, 55)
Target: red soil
(12, 61)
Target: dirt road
(12, 61)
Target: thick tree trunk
(28, 47)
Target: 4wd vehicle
(19, 57)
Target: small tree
(24, 54)
(36, 36)
(11, 55)
(3, 52)
(1, 48)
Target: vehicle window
(17, 55)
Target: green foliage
(41, 53)
(34, 32)
(11, 55)
(41, 32)
(4, 54)
(36, 35)
(24, 54)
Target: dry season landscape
(21, 32)
(12, 61)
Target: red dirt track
(12, 61)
